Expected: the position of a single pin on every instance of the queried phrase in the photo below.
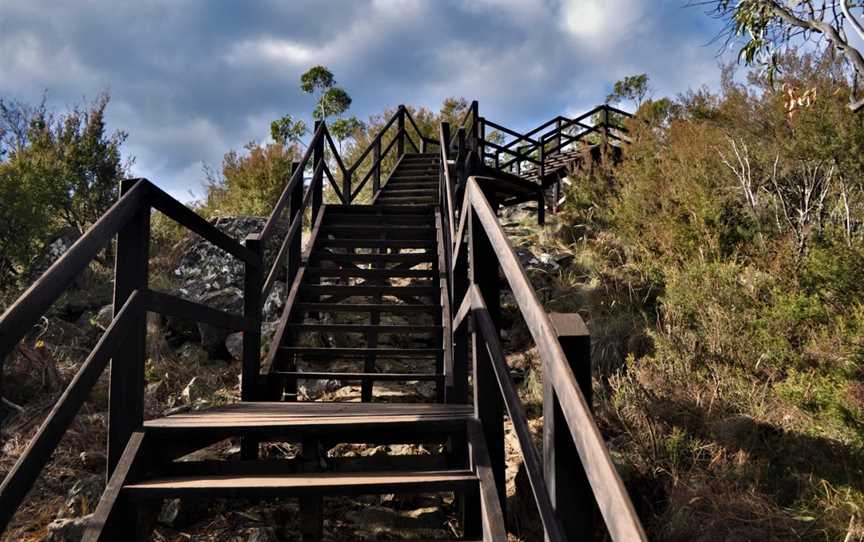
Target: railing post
(569, 489)
(317, 156)
(557, 140)
(488, 401)
(253, 280)
(422, 144)
(346, 186)
(295, 204)
(376, 168)
(604, 129)
(400, 133)
(126, 387)
(475, 114)
(481, 137)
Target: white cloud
(271, 49)
(600, 23)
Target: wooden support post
(311, 506)
(318, 191)
(557, 140)
(475, 117)
(604, 128)
(295, 205)
(488, 402)
(376, 168)
(541, 206)
(346, 186)
(400, 126)
(252, 282)
(422, 144)
(126, 388)
(569, 489)
(481, 137)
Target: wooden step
(387, 308)
(362, 377)
(410, 185)
(347, 219)
(281, 419)
(369, 273)
(288, 485)
(404, 192)
(409, 201)
(367, 290)
(362, 328)
(417, 258)
(420, 230)
(336, 353)
(375, 243)
(377, 209)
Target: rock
(178, 513)
(83, 496)
(211, 276)
(93, 460)
(318, 388)
(234, 344)
(103, 316)
(67, 529)
(51, 253)
(261, 534)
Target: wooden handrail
(609, 491)
(531, 457)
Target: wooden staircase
(383, 295)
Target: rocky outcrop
(211, 276)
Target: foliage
(769, 28)
(287, 130)
(721, 239)
(56, 172)
(251, 181)
(634, 88)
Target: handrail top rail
(608, 488)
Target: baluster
(568, 485)
(318, 190)
(253, 280)
(376, 166)
(126, 387)
(400, 132)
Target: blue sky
(191, 79)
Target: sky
(192, 79)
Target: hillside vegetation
(721, 265)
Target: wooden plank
(325, 255)
(336, 353)
(362, 377)
(363, 290)
(609, 491)
(171, 305)
(20, 317)
(281, 485)
(366, 307)
(105, 524)
(376, 243)
(369, 273)
(364, 328)
(21, 476)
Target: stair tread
(263, 414)
(367, 307)
(369, 273)
(335, 352)
(328, 482)
(349, 376)
(379, 328)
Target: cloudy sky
(190, 79)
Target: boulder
(83, 496)
(67, 529)
(211, 276)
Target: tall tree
(768, 27)
(634, 88)
(331, 100)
